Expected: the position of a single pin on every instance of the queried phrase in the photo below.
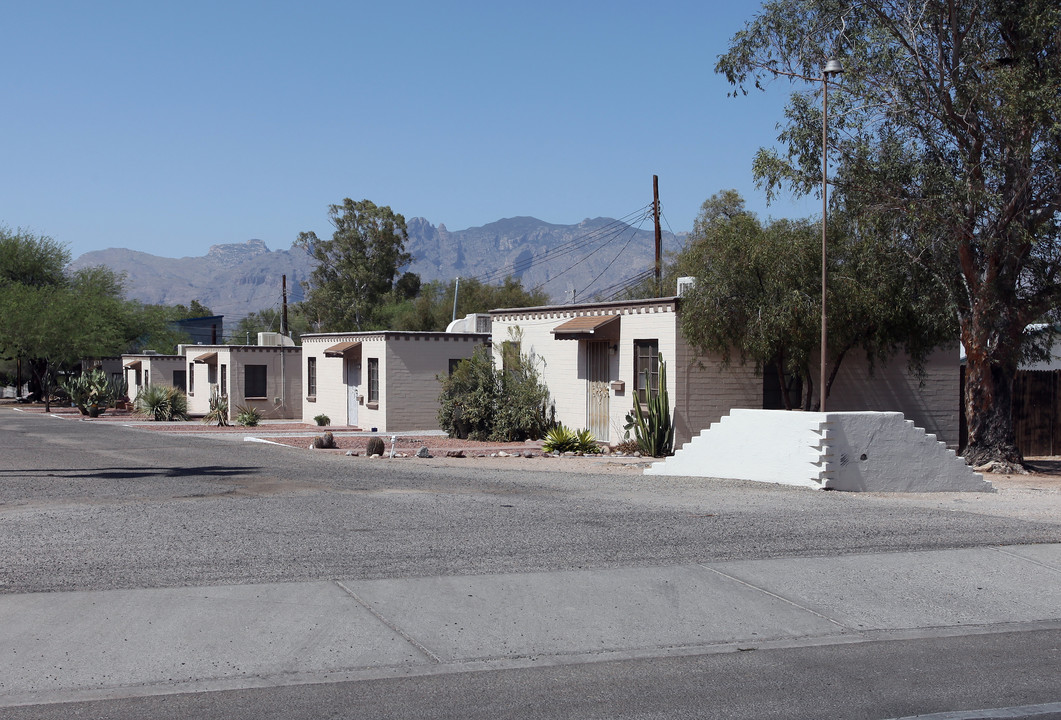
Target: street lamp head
(833, 67)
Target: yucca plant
(163, 403)
(248, 416)
(653, 429)
(218, 413)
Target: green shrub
(480, 402)
(322, 420)
(248, 416)
(218, 413)
(562, 439)
(162, 403)
(653, 430)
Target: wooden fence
(1036, 412)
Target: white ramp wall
(867, 451)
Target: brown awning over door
(586, 326)
(342, 349)
(207, 359)
(133, 365)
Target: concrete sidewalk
(57, 647)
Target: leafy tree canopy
(945, 131)
(758, 294)
(53, 318)
(356, 268)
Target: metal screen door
(597, 391)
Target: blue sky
(171, 127)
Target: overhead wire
(598, 236)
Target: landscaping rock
(423, 453)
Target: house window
(180, 380)
(373, 380)
(453, 363)
(147, 374)
(254, 381)
(311, 376)
(646, 369)
(224, 380)
(191, 378)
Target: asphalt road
(90, 506)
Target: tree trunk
(989, 414)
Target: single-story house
(265, 377)
(592, 357)
(381, 380)
(151, 368)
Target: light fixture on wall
(613, 348)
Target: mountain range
(592, 257)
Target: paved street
(154, 575)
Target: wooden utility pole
(659, 236)
(283, 312)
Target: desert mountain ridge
(239, 278)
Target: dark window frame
(373, 380)
(646, 357)
(311, 377)
(255, 377)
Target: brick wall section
(933, 404)
(408, 365)
(235, 358)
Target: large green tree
(52, 318)
(356, 268)
(945, 132)
(758, 295)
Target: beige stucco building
(144, 369)
(591, 356)
(385, 380)
(265, 377)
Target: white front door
(353, 379)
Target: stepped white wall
(866, 451)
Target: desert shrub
(375, 446)
(322, 420)
(481, 402)
(162, 403)
(653, 429)
(326, 441)
(218, 413)
(248, 416)
(563, 439)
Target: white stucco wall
(701, 390)
(408, 365)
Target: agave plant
(561, 439)
(653, 429)
(162, 403)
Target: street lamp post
(832, 67)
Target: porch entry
(353, 379)
(597, 390)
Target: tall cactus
(653, 431)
